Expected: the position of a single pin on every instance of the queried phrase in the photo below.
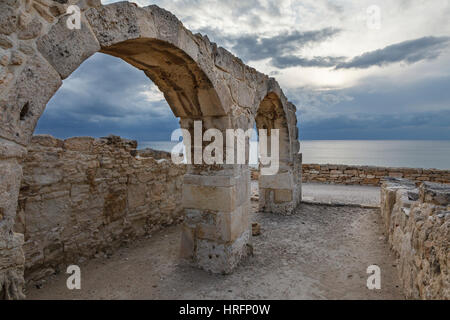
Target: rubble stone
(418, 230)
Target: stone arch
(280, 193)
(150, 39)
(200, 81)
(271, 116)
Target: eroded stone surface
(84, 197)
(66, 49)
(418, 230)
(23, 104)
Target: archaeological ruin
(67, 201)
(200, 81)
(416, 220)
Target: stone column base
(279, 201)
(12, 259)
(216, 232)
(222, 258)
(12, 262)
(282, 193)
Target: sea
(384, 153)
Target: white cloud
(400, 21)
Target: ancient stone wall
(84, 197)
(366, 175)
(417, 222)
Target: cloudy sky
(355, 69)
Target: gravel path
(321, 252)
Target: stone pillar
(216, 200)
(216, 231)
(11, 255)
(281, 193)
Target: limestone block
(243, 188)
(225, 61)
(31, 30)
(12, 3)
(9, 149)
(223, 258)
(136, 196)
(66, 49)
(167, 24)
(187, 44)
(8, 19)
(46, 140)
(437, 194)
(12, 284)
(10, 176)
(79, 193)
(283, 195)
(242, 94)
(209, 198)
(114, 23)
(26, 100)
(48, 214)
(234, 224)
(221, 227)
(213, 181)
(79, 144)
(11, 254)
(42, 176)
(278, 181)
(5, 42)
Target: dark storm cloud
(376, 110)
(280, 48)
(413, 126)
(426, 48)
(294, 61)
(252, 48)
(105, 96)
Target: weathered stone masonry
(417, 222)
(200, 81)
(84, 197)
(367, 175)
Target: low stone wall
(84, 197)
(366, 175)
(417, 222)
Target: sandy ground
(321, 252)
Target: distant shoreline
(426, 154)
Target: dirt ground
(321, 252)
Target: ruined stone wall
(84, 197)
(366, 175)
(417, 222)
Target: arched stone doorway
(200, 82)
(280, 193)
